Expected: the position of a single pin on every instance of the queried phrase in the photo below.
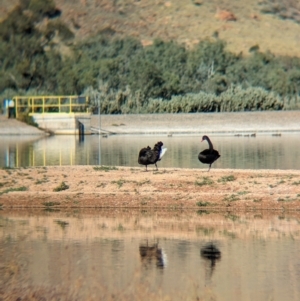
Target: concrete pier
(64, 123)
(58, 124)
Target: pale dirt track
(172, 188)
(200, 123)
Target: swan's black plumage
(149, 156)
(208, 156)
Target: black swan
(208, 156)
(149, 156)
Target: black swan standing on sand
(208, 156)
(149, 156)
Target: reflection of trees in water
(151, 253)
(211, 254)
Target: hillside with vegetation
(154, 56)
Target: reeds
(235, 99)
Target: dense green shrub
(42, 8)
(27, 119)
(235, 99)
(20, 51)
(17, 24)
(250, 99)
(57, 26)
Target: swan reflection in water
(211, 254)
(151, 253)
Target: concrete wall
(63, 123)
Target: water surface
(245, 152)
(134, 255)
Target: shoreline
(70, 187)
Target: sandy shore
(124, 187)
(11, 126)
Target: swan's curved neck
(210, 144)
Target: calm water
(133, 255)
(260, 152)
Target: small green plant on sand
(225, 179)
(205, 181)
(287, 199)
(62, 186)
(104, 168)
(37, 182)
(203, 204)
(146, 181)
(22, 188)
(231, 198)
(120, 182)
(51, 204)
(243, 192)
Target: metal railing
(50, 104)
